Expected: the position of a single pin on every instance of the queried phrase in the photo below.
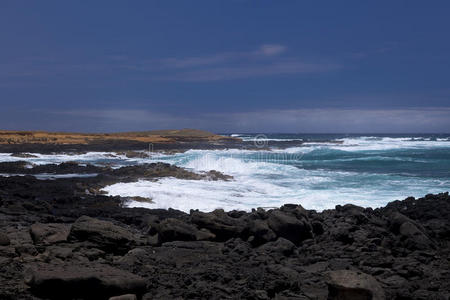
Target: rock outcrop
(56, 243)
(103, 234)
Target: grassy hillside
(157, 136)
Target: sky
(225, 66)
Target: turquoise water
(317, 171)
(320, 173)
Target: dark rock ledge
(57, 244)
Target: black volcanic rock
(93, 281)
(219, 223)
(260, 232)
(105, 235)
(172, 229)
(401, 251)
(4, 239)
(23, 155)
(289, 226)
(49, 233)
(280, 246)
(345, 284)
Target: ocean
(320, 173)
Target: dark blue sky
(226, 66)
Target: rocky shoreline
(63, 239)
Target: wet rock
(23, 155)
(49, 233)
(216, 175)
(139, 199)
(346, 284)
(106, 235)
(124, 297)
(289, 227)
(134, 154)
(4, 239)
(94, 281)
(155, 170)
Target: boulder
(280, 246)
(353, 214)
(342, 231)
(95, 281)
(346, 284)
(4, 239)
(289, 227)
(416, 238)
(261, 232)
(219, 223)
(105, 235)
(411, 233)
(396, 220)
(172, 229)
(295, 209)
(49, 233)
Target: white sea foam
(387, 143)
(262, 184)
(253, 138)
(89, 157)
(314, 174)
(245, 195)
(371, 144)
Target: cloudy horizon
(228, 67)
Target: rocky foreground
(59, 243)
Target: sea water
(317, 171)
